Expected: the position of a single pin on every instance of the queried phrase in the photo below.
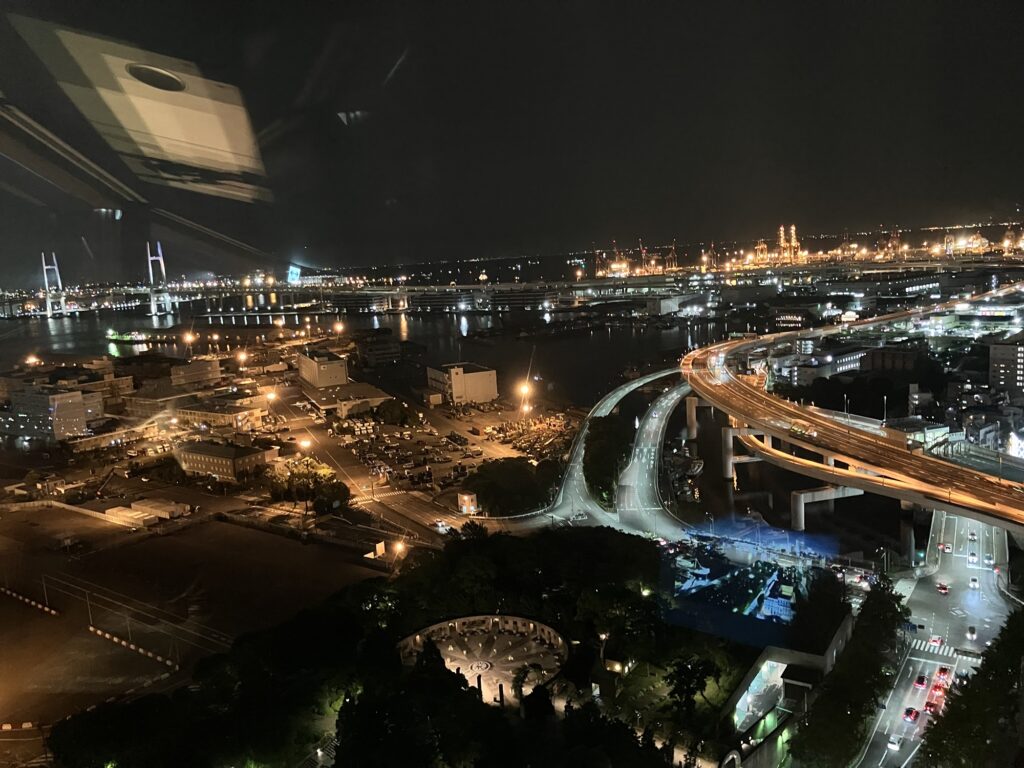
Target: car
(942, 588)
(972, 536)
(935, 640)
(921, 681)
(938, 691)
(972, 632)
(895, 742)
(910, 715)
(942, 675)
(975, 584)
(989, 560)
(972, 558)
(947, 548)
(931, 707)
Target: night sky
(511, 128)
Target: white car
(972, 558)
(895, 742)
(975, 583)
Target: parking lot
(183, 595)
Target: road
(885, 465)
(574, 499)
(947, 617)
(638, 499)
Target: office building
(321, 368)
(379, 349)
(46, 413)
(226, 462)
(460, 383)
(1006, 364)
(196, 373)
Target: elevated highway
(851, 454)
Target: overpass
(850, 453)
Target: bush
(511, 486)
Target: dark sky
(522, 127)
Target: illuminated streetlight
(271, 396)
(216, 337)
(32, 360)
(305, 444)
(189, 338)
(338, 327)
(524, 388)
(243, 356)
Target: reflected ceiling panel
(169, 124)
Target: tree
(537, 704)
(980, 722)
(687, 678)
(819, 612)
(331, 497)
(394, 412)
(608, 440)
(834, 729)
(473, 531)
(507, 487)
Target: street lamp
(339, 327)
(524, 388)
(305, 444)
(271, 396)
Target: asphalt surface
(945, 617)
(574, 500)
(638, 500)
(743, 396)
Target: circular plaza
(492, 651)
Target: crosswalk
(938, 650)
(377, 496)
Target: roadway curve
(879, 464)
(573, 495)
(638, 498)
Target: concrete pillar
(797, 518)
(691, 418)
(907, 538)
(727, 454)
(798, 501)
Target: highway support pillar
(691, 417)
(908, 541)
(799, 500)
(728, 472)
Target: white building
(321, 368)
(464, 383)
(45, 412)
(197, 372)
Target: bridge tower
(54, 296)
(159, 298)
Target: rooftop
(466, 367)
(220, 450)
(321, 355)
